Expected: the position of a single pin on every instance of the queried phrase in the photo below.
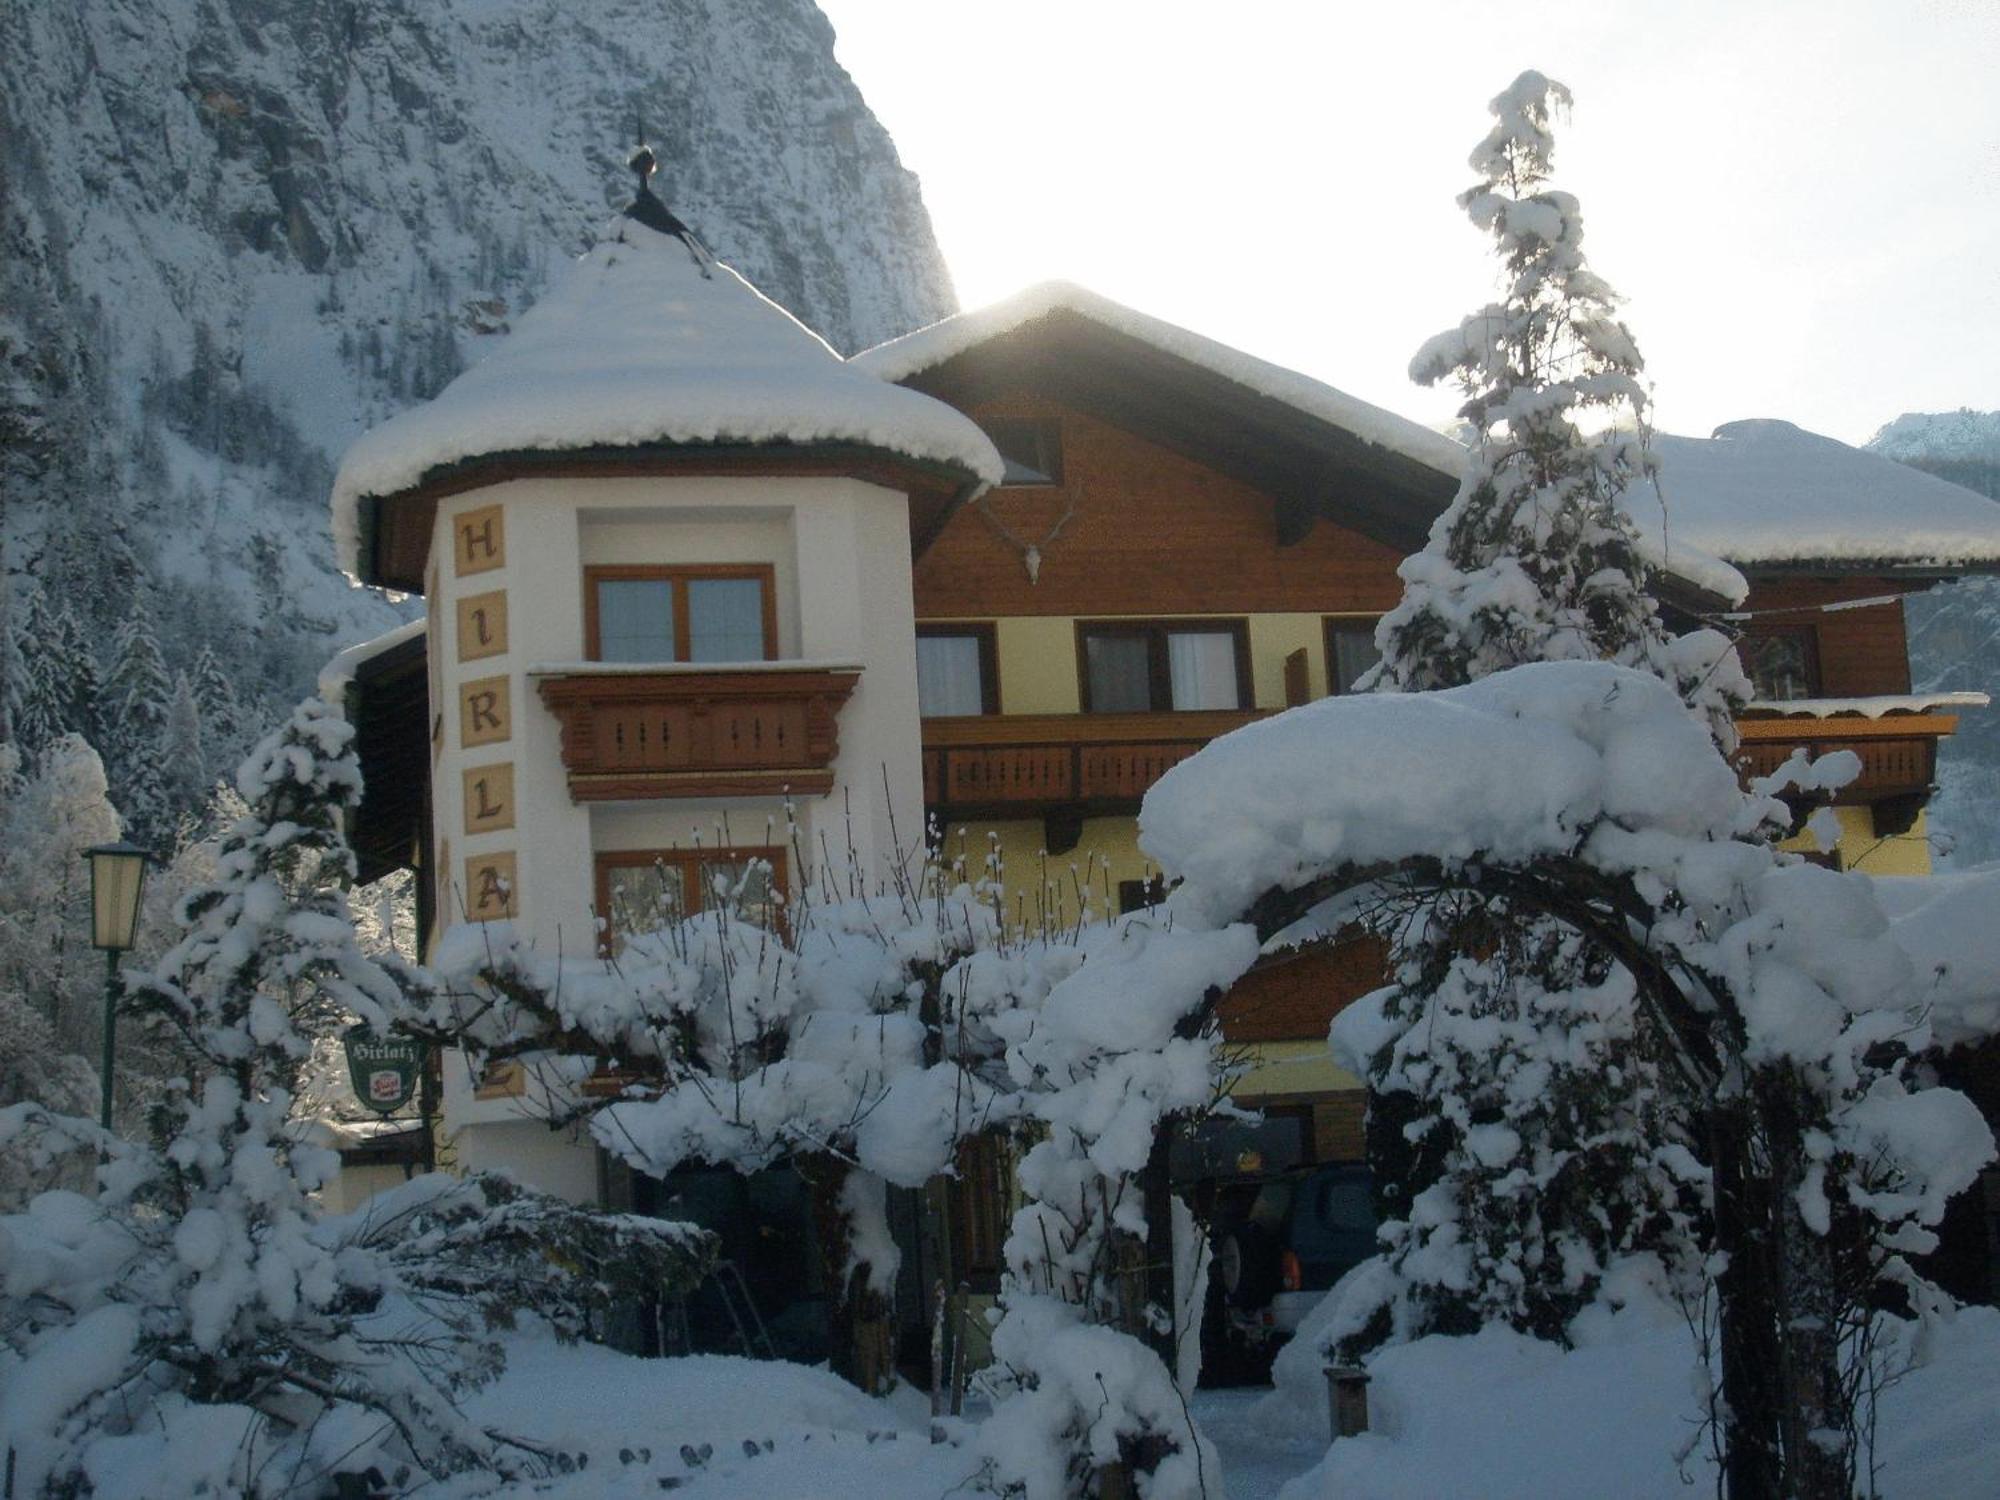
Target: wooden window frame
(1160, 689)
(679, 576)
(688, 862)
(1051, 430)
(1809, 634)
(988, 636)
(1329, 626)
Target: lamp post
(117, 880)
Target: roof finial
(654, 214)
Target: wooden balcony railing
(1023, 765)
(1898, 750)
(693, 732)
(1020, 765)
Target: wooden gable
(1861, 652)
(1149, 530)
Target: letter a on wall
(489, 887)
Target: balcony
(1073, 765)
(1896, 739)
(753, 729)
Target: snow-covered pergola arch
(1588, 793)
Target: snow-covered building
(664, 534)
(1189, 537)
(686, 569)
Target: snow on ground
(1500, 1416)
(828, 1441)
(769, 1429)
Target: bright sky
(1800, 201)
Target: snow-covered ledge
(1871, 707)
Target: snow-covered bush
(869, 1041)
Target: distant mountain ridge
(235, 233)
(1955, 633)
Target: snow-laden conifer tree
(1521, 1126)
(140, 694)
(194, 1328)
(37, 697)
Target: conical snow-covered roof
(640, 345)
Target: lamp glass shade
(117, 879)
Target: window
(1350, 652)
(1137, 895)
(724, 612)
(1782, 662)
(646, 889)
(1030, 447)
(1154, 666)
(957, 671)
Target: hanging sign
(383, 1070)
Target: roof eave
(385, 550)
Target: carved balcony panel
(698, 732)
(1025, 765)
(1898, 750)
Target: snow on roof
(1768, 492)
(635, 346)
(910, 355)
(927, 348)
(339, 672)
(1870, 708)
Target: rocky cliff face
(236, 232)
(1955, 634)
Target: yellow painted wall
(1038, 671)
(1038, 666)
(1860, 848)
(1275, 637)
(1278, 1068)
(1048, 888)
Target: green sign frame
(383, 1070)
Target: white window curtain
(948, 676)
(1202, 667)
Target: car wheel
(1248, 1257)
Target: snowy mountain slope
(1955, 631)
(238, 232)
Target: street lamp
(117, 880)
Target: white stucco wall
(839, 551)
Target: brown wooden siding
(1862, 652)
(1295, 998)
(1152, 531)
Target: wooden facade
(1149, 531)
(1861, 652)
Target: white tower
(665, 535)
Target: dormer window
(1031, 448)
(707, 613)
